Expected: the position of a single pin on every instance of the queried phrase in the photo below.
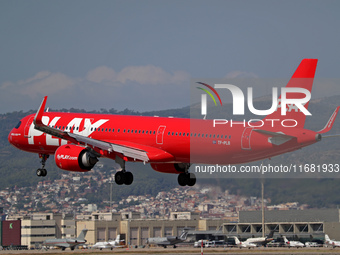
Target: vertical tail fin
(303, 77)
(285, 239)
(327, 238)
(184, 234)
(82, 234)
(237, 241)
(117, 239)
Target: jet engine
(74, 158)
(170, 168)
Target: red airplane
(170, 145)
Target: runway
(188, 251)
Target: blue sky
(141, 55)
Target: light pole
(111, 183)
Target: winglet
(330, 122)
(38, 117)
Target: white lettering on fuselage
(67, 157)
(73, 126)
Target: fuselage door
(245, 140)
(160, 134)
(27, 127)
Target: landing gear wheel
(192, 180)
(186, 179)
(124, 177)
(128, 178)
(120, 178)
(182, 179)
(39, 172)
(44, 172)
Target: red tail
(302, 78)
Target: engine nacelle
(170, 167)
(74, 158)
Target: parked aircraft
(169, 240)
(261, 241)
(244, 244)
(170, 145)
(107, 245)
(296, 244)
(330, 242)
(64, 243)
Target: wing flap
(153, 154)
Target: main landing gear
(123, 177)
(186, 179)
(42, 171)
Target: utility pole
(262, 195)
(111, 183)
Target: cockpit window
(18, 125)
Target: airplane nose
(14, 135)
(9, 138)
(13, 139)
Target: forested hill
(18, 168)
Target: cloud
(101, 74)
(135, 87)
(46, 83)
(240, 74)
(43, 83)
(144, 75)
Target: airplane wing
(164, 243)
(63, 245)
(121, 148)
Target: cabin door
(160, 134)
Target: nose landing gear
(42, 171)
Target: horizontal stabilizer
(275, 138)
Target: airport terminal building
(305, 225)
